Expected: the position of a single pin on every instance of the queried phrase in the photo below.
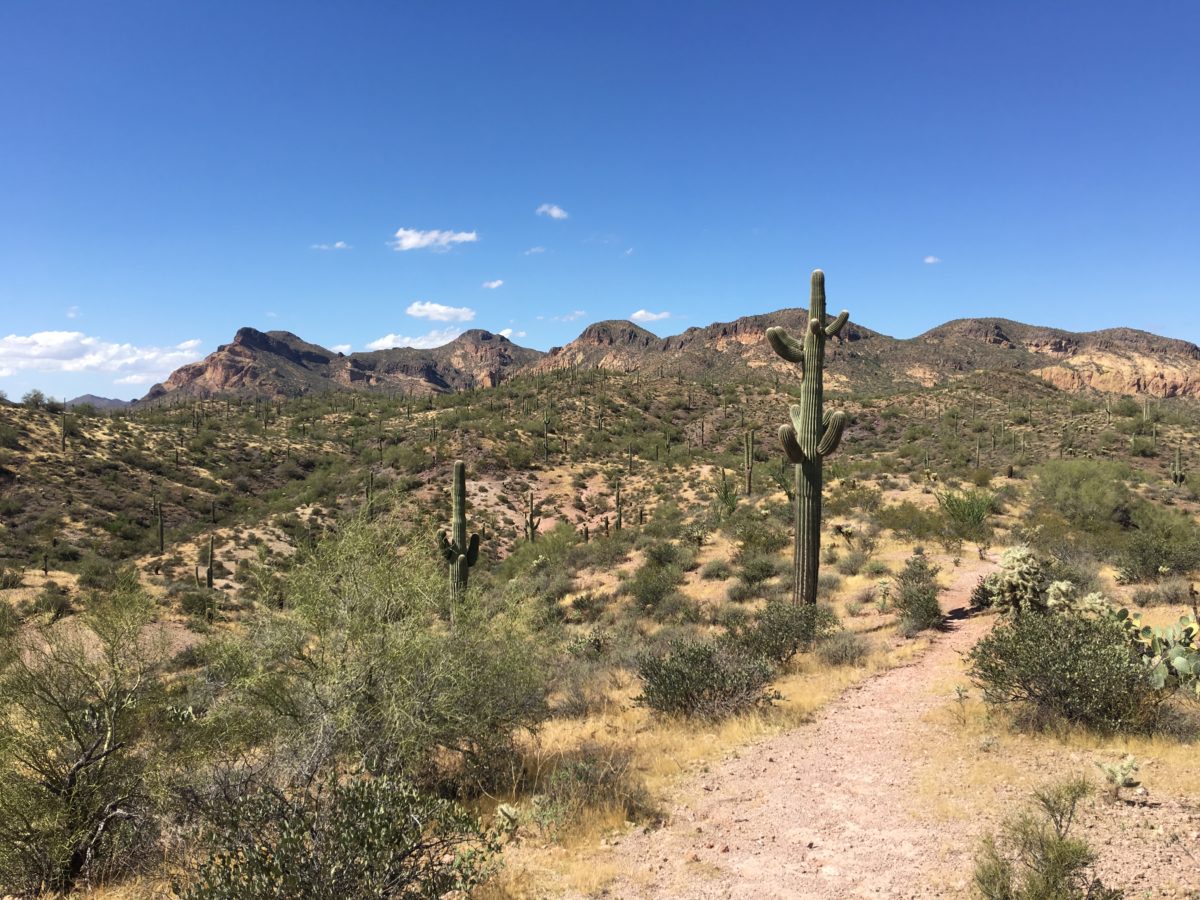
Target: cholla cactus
(813, 434)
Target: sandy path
(823, 810)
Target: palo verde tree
(460, 552)
(812, 435)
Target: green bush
(917, 593)
(1063, 667)
(706, 680)
(594, 777)
(717, 570)
(1164, 542)
(1090, 494)
(910, 521)
(1037, 859)
(359, 838)
(846, 648)
(781, 630)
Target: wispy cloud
(644, 315)
(932, 260)
(435, 338)
(571, 316)
(509, 333)
(532, 251)
(629, 252)
(495, 283)
(336, 245)
(340, 348)
(413, 239)
(438, 312)
(552, 210)
(73, 312)
(74, 351)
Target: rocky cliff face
(1119, 360)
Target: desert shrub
(757, 569)
(653, 582)
(846, 648)
(75, 701)
(54, 600)
(851, 496)
(594, 778)
(1036, 858)
(702, 679)
(1090, 494)
(910, 521)
(358, 838)
(1062, 667)
(967, 512)
(782, 629)
(364, 663)
(1163, 542)
(852, 563)
(717, 570)
(1172, 592)
(9, 621)
(917, 593)
(828, 582)
(97, 573)
(10, 579)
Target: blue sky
(170, 172)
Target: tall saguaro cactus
(748, 460)
(460, 551)
(812, 435)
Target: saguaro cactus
(812, 435)
(532, 523)
(460, 551)
(748, 464)
(1178, 475)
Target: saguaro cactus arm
(835, 423)
(835, 326)
(791, 446)
(786, 346)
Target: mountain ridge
(1112, 360)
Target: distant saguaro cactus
(459, 551)
(208, 573)
(748, 464)
(532, 523)
(812, 435)
(1178, 476)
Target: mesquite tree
(813, 434)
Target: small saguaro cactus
(459, 551)
(532, 523)
(1178, 476)
(813, 434)
(748, 463)
(208, 573)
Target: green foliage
(917, 592)
(705, 680)
(967, 512)
(594, 777)
(1170, 656)
(1036, 858)
(371, 659)
(1066, 668)
(910, 521)
(76, 698)
(1090, 494)
(781, 630)
(846, 648)
(1164, 542)
(363, 837)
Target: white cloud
(271, 314)
(571, 316)
(412, 239)
(644, 315)
(932, 260)
(340, 348)
(336, 245)
(629, 252)
(509, 333)
(74, 351)
(73, 312)
(495, 283)
(434, 338)
(535, 250)
(552, 210)
(438, 312)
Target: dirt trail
(823, 810)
